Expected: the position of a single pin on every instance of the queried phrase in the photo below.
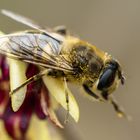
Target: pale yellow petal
(41, 130)
(55, 133)
(17, 77)
(57, 88)
(38, 130)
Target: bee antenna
(122, 80)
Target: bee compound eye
(106, 79)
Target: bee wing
(31, 24)
(34, 48)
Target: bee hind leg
(31, 79)
(67, 101)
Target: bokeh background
(113, 26)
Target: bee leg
(67, 101)
(118, 109)
(61, 30)
(90, 92)
(34, 78)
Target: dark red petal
(3, 95)
(32, 70)
(9, 118)
(4, 68)
(26, 113)
(20, 118)
(23, 115)
(38, 108)
(35, 89)
(17, 121)
(3, 101)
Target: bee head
(110, 78)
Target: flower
(23, 115)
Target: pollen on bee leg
(17, 77)
(120, 114)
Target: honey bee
(62, 55)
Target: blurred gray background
(113, 26)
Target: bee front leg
(90, 92)
(117, 108)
